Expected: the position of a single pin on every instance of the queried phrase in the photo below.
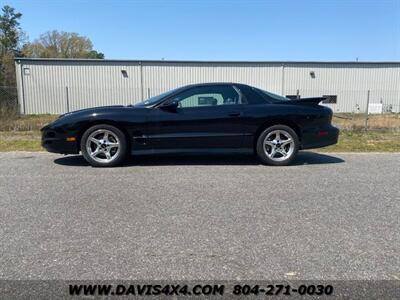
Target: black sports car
(211, 117)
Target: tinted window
(208, 96)
(270, 97)
(252, 96)
(156, 99)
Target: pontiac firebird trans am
(211, 118)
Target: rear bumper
(56, 142)
(321, 137)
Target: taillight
(322, 133)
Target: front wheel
(103, 146)
(277, 145)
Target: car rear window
(270, 97)
(251, 95)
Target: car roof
(213, 84)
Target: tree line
(51, 44)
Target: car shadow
(303, 158)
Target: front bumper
(321, 137)
(56, 141)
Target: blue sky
(225, 30)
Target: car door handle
(234, 114)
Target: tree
(54, 44)
(9, 30)
(95, 54)
(10, 39)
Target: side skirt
(194, 151)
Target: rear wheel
(277, 145)
(104, 146)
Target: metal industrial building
(56, 86)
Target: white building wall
(55, 86)
(58, 87)
(159, 78)
(350, 82)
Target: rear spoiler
(314, 100)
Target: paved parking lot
(330, 216)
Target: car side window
(208, 96)
(252, 96)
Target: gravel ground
(330, 216)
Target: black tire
(119, 155)
(261, 153)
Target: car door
(206, 117)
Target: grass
(370, 141)
(20, 141)
(22, 133)
(357, 121)
(25, 122)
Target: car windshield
(156, 99)
(273, 97)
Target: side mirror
(170, 105)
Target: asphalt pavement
(329, 216)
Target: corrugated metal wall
(350, 82)
(160, 77)
(56, 86)
(60, 86)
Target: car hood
(96, 109)
(92, 113)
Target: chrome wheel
(103, 145)
(279, 145)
